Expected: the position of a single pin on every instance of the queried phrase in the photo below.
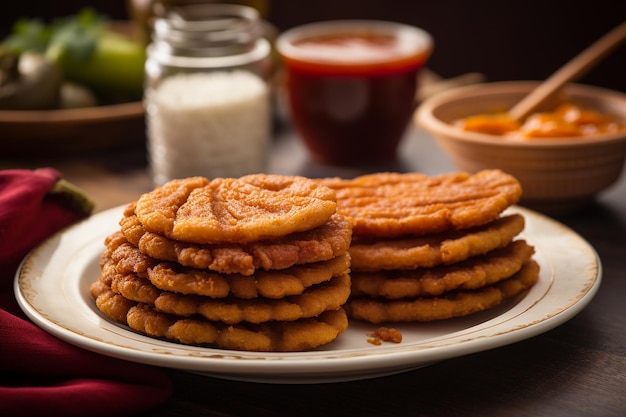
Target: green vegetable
(88, 52)
(28, 35)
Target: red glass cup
(351, 86)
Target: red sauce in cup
(352, 89)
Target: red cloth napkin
(40, 374)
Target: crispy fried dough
(449, 305)
(230, 210)
(268, 284)
(111, 304)
(370, 255)
(126, 257)
(142, 290)
(133, 287)
(320, 244)
(311, 302)
(393, 204)
(255, 263)
(144, 319)
(299, 335)
(319, 298)
(170, 276)
(472, 273)
(292, 336)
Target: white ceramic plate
(52, 288)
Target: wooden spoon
(574, 69)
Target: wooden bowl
(81, 131)
(72, 131)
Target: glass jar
(207, 98)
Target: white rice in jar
(213, 124)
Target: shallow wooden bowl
(72, 131)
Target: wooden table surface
(576, 369)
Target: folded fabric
(40, 374)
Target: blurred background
(503, 40)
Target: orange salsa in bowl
(566, 121)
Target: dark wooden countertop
(576, 369)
